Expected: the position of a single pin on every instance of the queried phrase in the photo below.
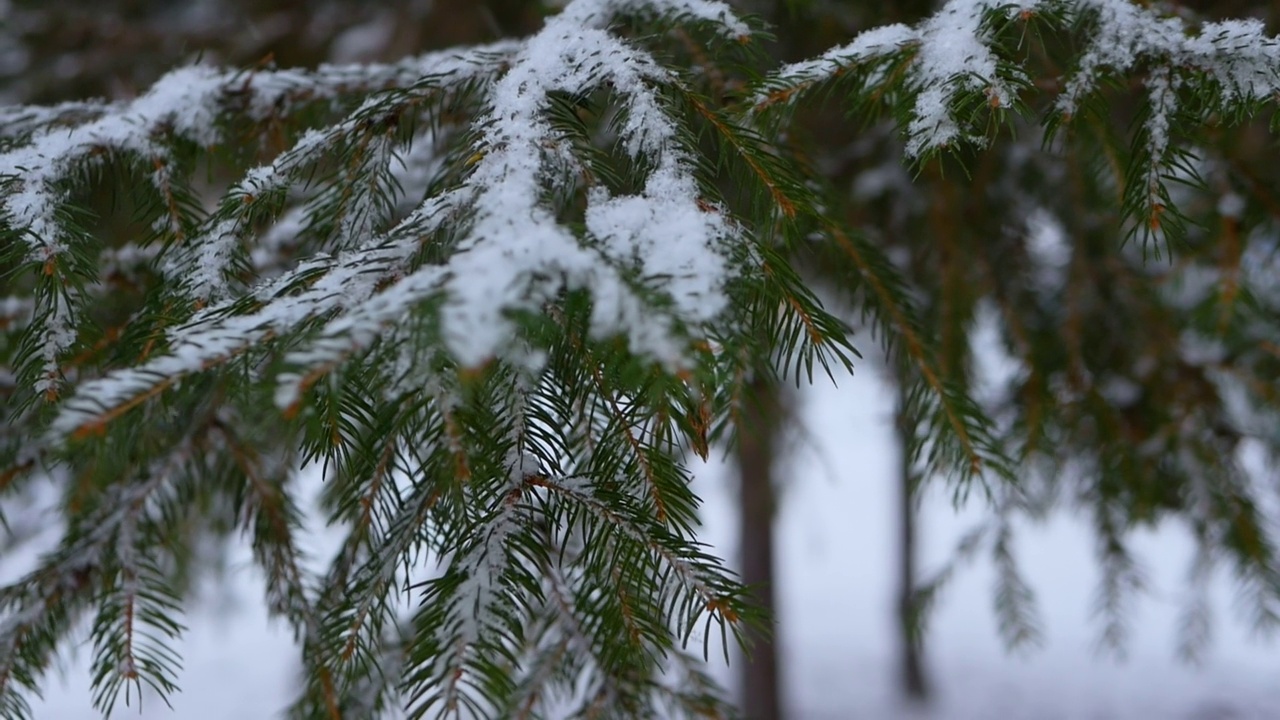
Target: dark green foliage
(245, 272)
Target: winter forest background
(1000, 275)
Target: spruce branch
(494, 293)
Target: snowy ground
(836, 582)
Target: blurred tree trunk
(756, 444)
(915, 686)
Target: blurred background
(816, 505)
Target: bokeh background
(830, 504)
(838, 640)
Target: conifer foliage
(497, 293)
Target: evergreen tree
(498, 292)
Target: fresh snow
(184, 103)
(514, 255)
(653, 262)
(517, 256)
(952, 55)
(1238, 54)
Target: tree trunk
(760, 691)
(915, 686)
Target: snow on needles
(655, 262)
(213, 335)
(1237, 54)
(953, 54)
(187, 103)
(518, 256)
(184, 104)
(652, 262)
(954, 57)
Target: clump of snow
(518, 256)
(955, 56)
(1237, 54)
(522, 465)
(209, 257)
(952, 55)
(1124, 33)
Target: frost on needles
(494, 293)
